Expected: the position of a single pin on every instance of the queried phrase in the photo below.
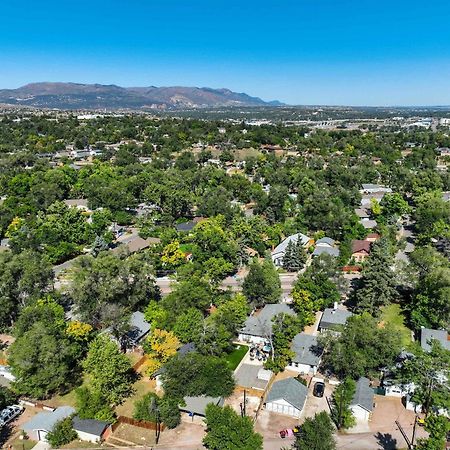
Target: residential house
(427, 335)
(42, 423)
(258, 327)
(90, 430)
(372, 237)
(360, 250)
(280, 250)
(187, 227)
(139, 328)
(369, 188)
(79, 203)
(136, 244)
(333, 319)
(307, 354)
(196, 406)
(362, 402)
(287, 396)
(368, 224)
(326, 246)
(362, 213)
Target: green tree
(362, 348)
(195, 374)
(189, 325)
(341, 399)
(226, 430)
(7, 397)
(378, 283)
(44, 361)
(429, 371)
(24, 278)
(169, 412)
(99, 283)
(91, 404)
(438, 428)
(62, 433)
(295, 256)
(316, 433)
(109, 370)
(262, 284)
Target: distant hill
(98, 96)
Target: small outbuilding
(333, 319)
(362, 402)
(90, 430)
(196, 406)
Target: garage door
(42, 435)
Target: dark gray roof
(306, 349)
(183, 350)
(261, 324)
(331, 318)
(363, 395)
(426, 335)
(185, 226)
(197, 405)
(139, 327)
(91, 426)
(290, 390)
(46, 420)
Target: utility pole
(409, 443)
(245, 402)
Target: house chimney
(335, 305)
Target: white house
(258, 327)
(280, 250)
(307, 354)
(326, 246)
(362, 402)
(287, 396)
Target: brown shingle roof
(360, 246)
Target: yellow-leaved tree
(159, 347)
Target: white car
(5, 371)
(9, 414)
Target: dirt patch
(136, 435)
(237, 399)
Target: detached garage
(90, 430)
(287, 397)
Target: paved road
(233, 283)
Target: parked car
(289, 432)
(5, 371)
(319, 389)
(9, 414)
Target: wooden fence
(138, 364)
(137, 423)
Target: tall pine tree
(295, 256)
(377, 285)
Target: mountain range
(99, 96)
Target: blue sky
(354, 52)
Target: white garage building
(362, 402)
(287, 397)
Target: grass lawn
(68, 399)
(234, 358)
(393, 314)
(22, 444)
(82, 444)
(141, 387)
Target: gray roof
(368, 224)
(139, 327)
(322, 250)
(46, 420)
(185, 226)
(333, 317)
(306, 349)
(76, 202)
(290, 390)
(362, 213)
(247, 376)
(261, 324)
(281, 247)
(325, 241)
(363, 395)
(91, 426)
(426, 335)
(183, 350)
(197, 405)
